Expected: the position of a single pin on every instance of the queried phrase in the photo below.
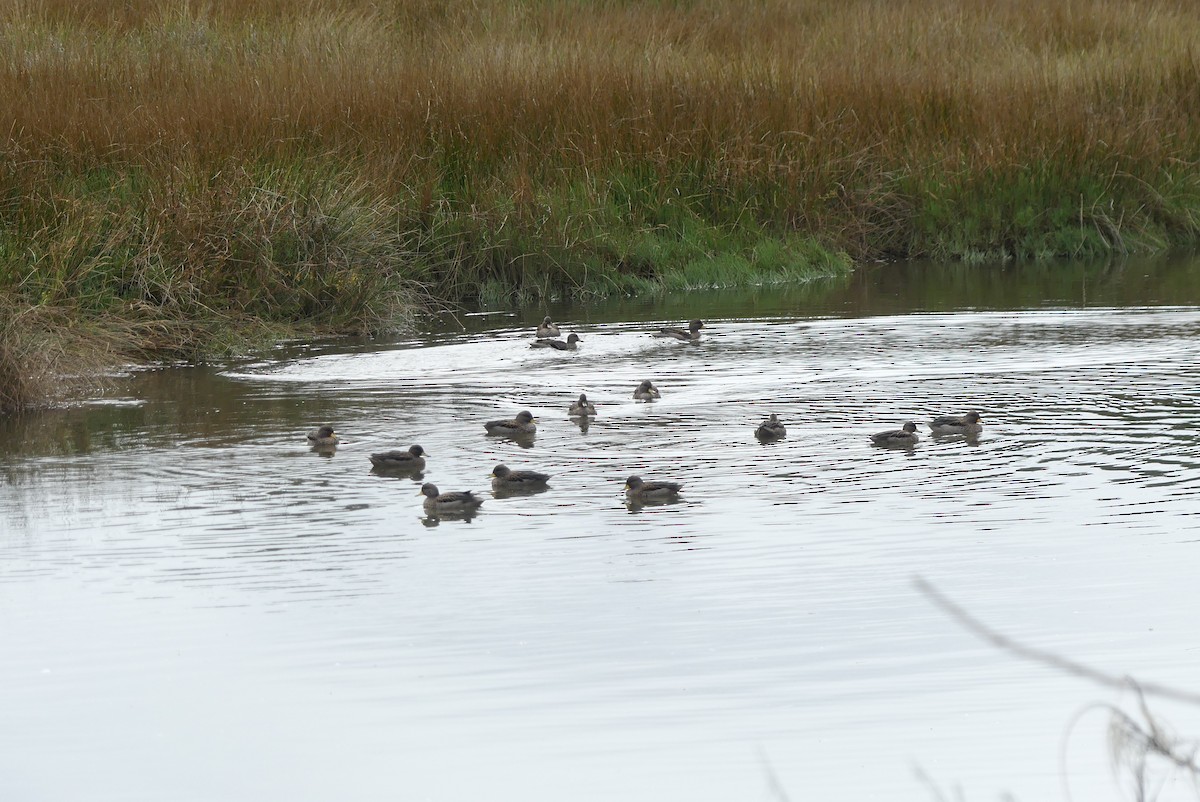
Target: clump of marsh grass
(282, 247)
(45, 355)
(128, 265)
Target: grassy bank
(196, 172)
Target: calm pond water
(196, 606)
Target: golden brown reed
(771, 89)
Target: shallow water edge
(187, 583)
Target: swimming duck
(949, 424)
(323, 436)
(547, 328)
(522, 424)
(905, 436)
(504, 478)
(454, 502)
(646, 392)
(638, 490)
(411, 460)
(691, 333)
(569, 345)
(582, 407)
(770, 429)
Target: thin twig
(774, 786)
(1044, 657)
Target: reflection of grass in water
(1117, 282)
(726, 303)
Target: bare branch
(1044, 657)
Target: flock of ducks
(638, 491)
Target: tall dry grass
(824, 117)
(323, 161)
(768, 89)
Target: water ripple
(774, 592)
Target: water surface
(197, 606)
